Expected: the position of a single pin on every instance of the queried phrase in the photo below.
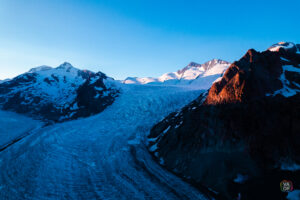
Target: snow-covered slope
(49, 92)
(194, 74)
(288, 46)
(136, 80)
(100, 157)
(2, 81)
(13, 126)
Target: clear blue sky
(138, 37)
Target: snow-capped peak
(40, 68)
(56, 85)
(63, 70)
(290, 46)
(51, 92)
(2, 81)
(65, 65)
(197, 75)
(206, 66)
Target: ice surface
(291, 68)
(14, 126)
(100, 157)
(294, 195)
(240, 178)
(290, 167)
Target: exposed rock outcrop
(247, 125)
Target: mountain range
(194, 74)
(231, 130)
(65, 92)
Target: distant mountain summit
(40, 68)
(243, 135)
(56, 93)
(206, 66)
(287, 46)
(194, 74)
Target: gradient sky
(138, 37)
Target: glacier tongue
(100, 157)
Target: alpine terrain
(100, 157)
(58, 94)
(208, 131)
(242, 137)
(196, 75)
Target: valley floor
(100, 157)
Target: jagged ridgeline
(246, 128)
(199, 76)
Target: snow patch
(294, 195)
(218, 79)
(97, 96)
(75, 106)
(291, 68)
(161, 161)
(98, 88)
(105, 93)
(284, 59)
(178, 125)
(110, 83)
(93, 80)
(286, 91)
(285, 45)
(240, 178)
(153, 147)
(290, 167)
(166, 130)
(152, 139)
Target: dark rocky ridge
(242, 126)
(93, 97)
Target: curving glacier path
(100, 157)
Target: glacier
(100, 157)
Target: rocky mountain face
(197, 75)
(242, 137)
(58, 94)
